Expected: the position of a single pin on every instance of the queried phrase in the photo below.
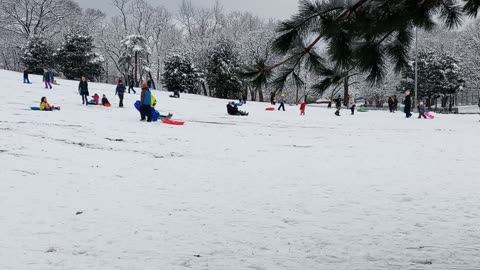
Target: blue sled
(155, 113)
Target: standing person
(390, 104)
(282, 102)
(83, 90)
(46, 79)
(50, 74)
(272, 98)
(421, 110)
(408, 104)
(130, 86)
(25, 76)
(351, 104)
(145, 101)
(338, 105)
(120, 91)
(395, 103)
(303, 105)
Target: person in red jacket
(302, 108)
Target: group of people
(350, 104)
(393, 104)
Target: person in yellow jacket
(44, 106)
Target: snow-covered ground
(270, 191)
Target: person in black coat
(272, 98)
(338, 105)
(83, 90)
(120, 91)
(233, 110)
(25, 76)
(408, 104)
(390, 104)
(130, 86)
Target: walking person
(145, 101)
(338, 105)
(303, 106)
(408, 104)
(272, 98)
(25, 76)
(421, 111)
(120, 91)
(83, 90)
(351, 104)
(282, 102)
(130, 86)
(395, 103)
(390, 104)
(46, 79)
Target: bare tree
(33, 17)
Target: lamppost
(416, 68)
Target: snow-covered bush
(37, 54)
(75, 58)
(438, 75)
(223, 70)
(181, 74)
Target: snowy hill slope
(270, 191)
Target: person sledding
(95, 100)
(105, 101)
(44, 106)
(176, 94)
(233, 110)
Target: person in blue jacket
(120, 91)
(145, 101)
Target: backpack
(153, 101)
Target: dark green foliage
(359, 35)
(438, 75)
(37, 55)
(181, 75)
(76, 58)
(223, 70)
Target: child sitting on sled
(95, 100)
(44, 106)
(105, 101)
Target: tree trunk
(204, 89)
(136, 66)
(296, 97)
(345, 91)
(260, 94)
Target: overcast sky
(280, 9)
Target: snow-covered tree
(38, 54)
(223, 70)
(76, 58)
(438, 75)
(181, 74)
(134, 56)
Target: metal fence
(470, 98)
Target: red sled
(430, 115)
(270, 109)
(173, 122)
